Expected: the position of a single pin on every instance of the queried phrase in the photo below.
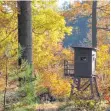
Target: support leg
(95, 83)
(91, 86)
(78, 84)
(72, 89)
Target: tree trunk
(94, 23)
(25, 31)
(6, 83)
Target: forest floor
(48, 106)
(64, 106)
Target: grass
(79, 105)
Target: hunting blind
(84, 63)
(83, 66)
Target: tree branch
(102, 28)
(8, 34)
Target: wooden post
(94, 24)
(78, 84)
(91, 87)
(96, 86)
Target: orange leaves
(58, 86)
(77, 4)
(1, 8)
(2, 84)
(107, 98)
(79, 9)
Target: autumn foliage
(48, 32)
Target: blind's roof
(84, 47)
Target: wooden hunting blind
(83, 66)
(85, 62)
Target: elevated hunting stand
(84, 66)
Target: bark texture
(25, 30)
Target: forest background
(52, 31)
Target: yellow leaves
(8, 22)
(103, 59)
(59, 87)
(86, 6)
(49, 29)
(68, 54)
(49, 20)
(68, 30)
